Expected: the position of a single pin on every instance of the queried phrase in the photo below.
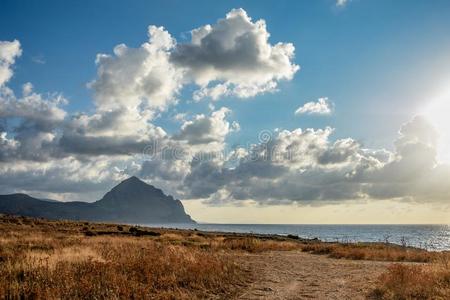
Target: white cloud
(322, 107)
(33, 107)
(35, 120)
(9, 51)
(39, 59)
(304, 166)
(215, 92)
(342, 3)
(131, 88)
(44, 143)
(287, 168)
(235, 52)
(46, 150)
(138, 77)
(208, 130)
(135, 84)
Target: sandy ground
(299, 275)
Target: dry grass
(43, 259)
(370, 251)
(401, 281)
(72, 254)
(55, 260)
(253, 245)
(126, 269)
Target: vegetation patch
(426, 281)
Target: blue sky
(376, 62)
(381, 68)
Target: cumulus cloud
(110, 133)
(322, 107)
(134, 84)
(206, 130)
(9, 51)
(34, 119)
(46, 150)
(33, 107)
(131, 87)
(234, 57)
(138, 77)
(412, 166)
(305, 166)
(288, 167)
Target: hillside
(131, 201)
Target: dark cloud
(303, 166)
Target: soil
(300, 275)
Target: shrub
(431, 281)
(293, 236)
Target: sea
(429, 237)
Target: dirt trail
(299, 275)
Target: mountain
(131, 201)
(49, 200)
(136, 200)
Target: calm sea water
(430, 237)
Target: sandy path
(299, 275)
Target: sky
(248, 111)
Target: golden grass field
(41, 259)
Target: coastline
(46, 258)
(432, 237)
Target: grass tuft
(401, 281)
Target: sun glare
(438, 113)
